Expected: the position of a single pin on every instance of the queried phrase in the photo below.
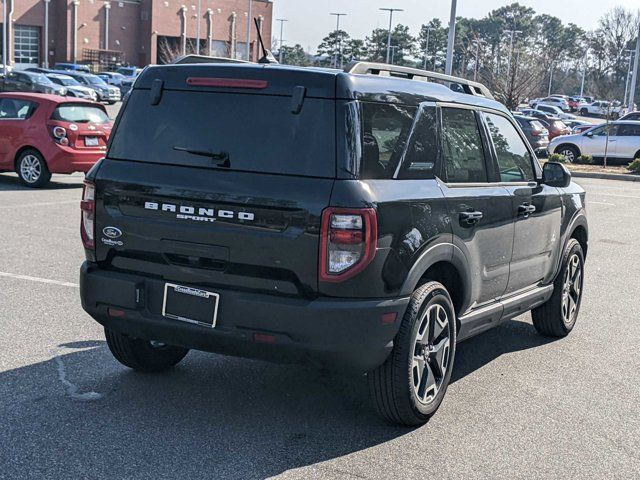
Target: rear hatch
(86, 126)
(217, 175)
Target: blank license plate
(189, 304)
(91, 141)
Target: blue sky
(309, 20)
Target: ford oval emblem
(112, 232)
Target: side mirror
(555, 174)
(588, 134)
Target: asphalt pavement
(520, 406)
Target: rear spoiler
(190, 59)
(467, 86)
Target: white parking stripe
(614, 195)
(43, 204)
(602, 203)
(38, 279)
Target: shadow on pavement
(11, 182)
(210, 417)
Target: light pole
(512, 34)
(249, 25)
(475, 71)
(452, 37)
(339, 38)
(198, 27)
(426, 48)
(46, 33)
(584, 72)
(281, 20)
(634, 79)
(390, 10)
(550, 77)
(626, 80)
(4, 37)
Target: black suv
(365, 220)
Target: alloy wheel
(30, 168)
(569, 155)
(571, 289)
(431, 354)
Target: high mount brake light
(88, 222)
(227, 82)
(348, 241)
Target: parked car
(561, 103)
(74, 88)
(553, 124)
(332, 230)
(112, 78)
(25, 81)
(43, 134)
(556, 111)
(575, 123)
(588, 99)
(106, 93)
(130, 72)
(575, 103)
(74, 67)
(601, 108)
(536, 133)
(126, 85)
(623, 143)
(582, 128)
(632, 116)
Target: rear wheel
(143, 355)
(409, 387)
(584, 112)
(569, 152)
(557, 317)
(32, 169)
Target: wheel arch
(23, 149)
(567, 144)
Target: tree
(401, 40)
(437, 45)
(295, 56)
(354, 49)
(332, 46)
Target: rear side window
(14, 109)
(257, 133)
(420, 159)
(462, 153)
(628, 130)
(514, 159)
(79, 114)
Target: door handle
(470, 218)
(526, 209)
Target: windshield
(127, 71)
(536, 125)
(257, 133)
(80, 114)
(93, 80)
(41, 78)
(67, 82)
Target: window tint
(629, 130)
(463, 153)
(385, 130)
(420, 160)
(514, 159)
(16, 109)
(79, 114)
(601, 131)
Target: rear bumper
(62, 159)
(341, 334)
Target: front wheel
(409, 387)
(143, 355)
(32, 169)
(557, 317)
(569, 152)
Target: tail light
(88, 220)
(348, 241)
(60, 135)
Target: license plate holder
(191, 305)
(91, 141)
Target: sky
(309, 20)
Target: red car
(45, 134)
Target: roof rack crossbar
(370, 68)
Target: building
(106, 34)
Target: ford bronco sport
(365, 220)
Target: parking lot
(519, 406)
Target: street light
(249, 25)
(281, 20)
(626, 80)
(452, 37)
(426, 49)
(550, 77)
(512, 34)
(634, 79)
(339, 37)
(584, 72)
(390, 10)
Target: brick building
(136, 32)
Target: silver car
(622, 142)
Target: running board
(477, 321)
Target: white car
(561, 103)
(553, 110)
(600, 108)
(74, 88)
(623, 142)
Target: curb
(607, 176)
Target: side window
(385, 130)
(602, 131)
(12, 109)
(628, 130)
(514, 160)
(420, 159)
(462, 149)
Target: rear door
(600, 140)
(480, 211)
(220, 178)
(628, 140)
(14, 114)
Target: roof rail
(467, 86)
(186, 59)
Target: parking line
(602, 203)
(42, 204)
(38, 279)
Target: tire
(557, 317)
(32, 169)
(569, 152)
(584, 112)
(143, 355)
(400, 393)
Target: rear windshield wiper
(222, 157)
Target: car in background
(130, 72)
(575, 123)
(74, 88)
(25, 81)
(557, 111)
(45, 134)
(561, 103)
(582, 128)
(536, 133)
(127, 85)
(112, 78)
(620, 140)
(106, 93)
(552, 123)
(575, 103)
(601, 108)
(632, 116)
(73, 67)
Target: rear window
(79, 114)
(536, 125)
(257, 133)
